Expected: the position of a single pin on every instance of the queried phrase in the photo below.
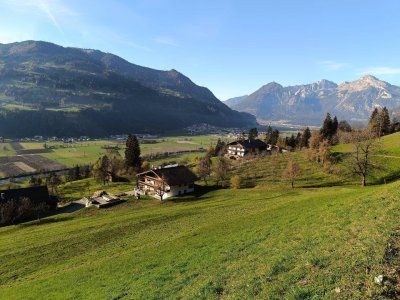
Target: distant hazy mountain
(46, 89)
(308, 104)
(236, 100)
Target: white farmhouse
(165, 182)
(239, 149)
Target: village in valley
(134, 174)
(124, 173)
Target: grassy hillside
(387, 158)
(266, 241)
(295, 244)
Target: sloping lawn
(248, 243)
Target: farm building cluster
(241, 148)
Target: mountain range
(307, 104)
(46, 89)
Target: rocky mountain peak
(308, 103)
(325, 84)
(272, 86)
(367, 81)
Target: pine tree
(305, 137)
(219, 148)
(298, 140)
(132, 152)
(334, 127)
(385, 120)
(77, 173)
(253, 134)
(268, 135)
(329, 127)
(374, 123)
(275, 137)
(291, 142)
(326, 128)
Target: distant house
(239, 149)
(11, 202)
(165, 182)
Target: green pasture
(79, 153)
(6, 149)
(309, 243)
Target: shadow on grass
(199, 192)
(326, 184)
(337, 157)
(70, 208)
(45, 221)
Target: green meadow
(250, 243)
(325, 239)
(6, 149)
(81, 153)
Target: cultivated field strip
(12, 166)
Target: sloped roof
(36, 194)
(257, 143)
(173, 175)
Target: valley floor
(247, 243)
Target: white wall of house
(237, 151)
(174, 190)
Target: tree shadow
(44, 221)
(199, 192)
(70, 208)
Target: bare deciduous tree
(160, 190)
(204, 168)
(292, 171)
(362, 160)
(221, 170)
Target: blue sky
(231, 47)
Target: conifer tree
(305, 137)
(275, 137)
(385, 119)
(253, 134)
(374, 123)
(268, 135)
(298, 139)
(335, 125)
(329, 127)
(132, 152)
(219, 148)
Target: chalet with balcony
(165, 182)
(239, 149)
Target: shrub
(235, 182)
